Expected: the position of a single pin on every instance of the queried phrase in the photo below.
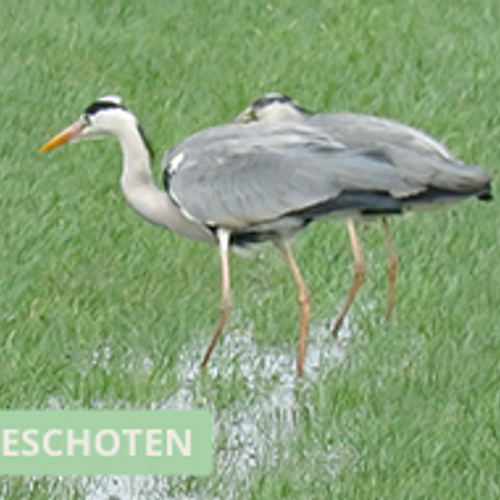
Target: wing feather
(419, 158)
(237, 176)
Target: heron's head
(272, 108)
(103, 117)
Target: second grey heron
(232, 186)
(407, 148)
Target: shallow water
(254, 427)
(251, 433)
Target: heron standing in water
(234, 186)
(414, 153)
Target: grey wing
(251, 136)
(416, 155)
(358, 130)
(250, 178)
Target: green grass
(98, 309)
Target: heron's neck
(152, 203)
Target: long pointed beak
(68, 134)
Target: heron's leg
(223, 236)
(359, 274)
(304, 298)
(393, 268)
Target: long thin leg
(223, 237)
(359, 275)
(393, 268)
(304, 298)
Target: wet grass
(98, 309)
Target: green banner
(168, 442)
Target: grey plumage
(414, 171)
(416, 155)
(237, 185)
(234, 181)
(242, 177)
(421, 160)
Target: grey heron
(407, 148)
(232, 186)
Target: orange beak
(68, 134)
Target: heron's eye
(86, 119)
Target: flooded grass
(254, 428)
(99, 310)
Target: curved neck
(150, 202)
